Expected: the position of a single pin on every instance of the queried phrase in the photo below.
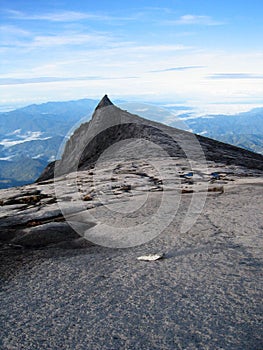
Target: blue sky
(199, 53)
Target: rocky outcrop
(110, 125)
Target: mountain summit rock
(111, 125)
(105, 101)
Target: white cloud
(13, 36)
(194, 20)
(29, 136)
(38, 156)
(179, 69)
(7, 158)
(109, 60)
(31, 41)
(69, 39)
(70, 60)
(66, 16)
(142, 109)
(39, 80)
(109, 67)
(15, 132)
(63, 16)
(13, 30)
(235, 76)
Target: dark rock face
(48, 172)
(220, 152)
(123, 132)
(45, 234)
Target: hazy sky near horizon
(182, 51)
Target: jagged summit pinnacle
(105, 101)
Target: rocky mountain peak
(112, 125)
(105, 101)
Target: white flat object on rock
(151, 257)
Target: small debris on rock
(186, 176)
(216, 189)
(125, 188)
(87, 197)
(151, 257)
(215, 176)
(185, 190)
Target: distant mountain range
(244, 130)
(32, 136)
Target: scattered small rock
(87, 197)
(216, 189)
(125, 188)
(186, 190)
